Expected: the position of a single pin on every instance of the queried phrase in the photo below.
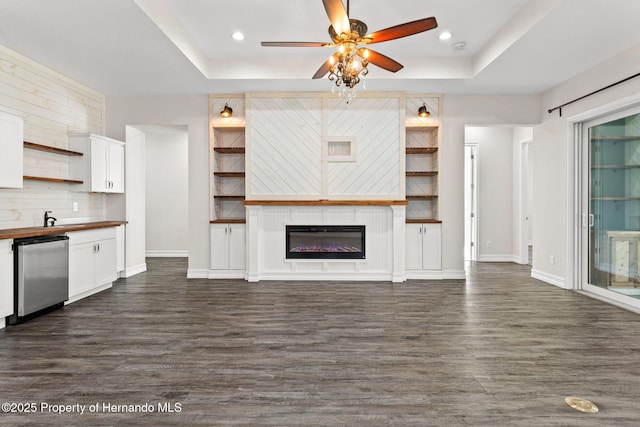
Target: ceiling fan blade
(324, 68)
(337, 15)
(380, 60)
(297, 44)
(403, 30)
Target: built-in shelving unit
(422, 144)
(54, 150)
(227, 145)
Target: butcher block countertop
(16, 233)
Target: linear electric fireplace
(325, 241)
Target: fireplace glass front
(325, 241)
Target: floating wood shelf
(230, 174)
(42, 178)
(421, 150)
(48, 149)
(423, 173)
(229, 150)
(325, 202)
(422, 197)
(229, 197)
(228, 221)
(423, 221)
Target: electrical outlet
(552, 259)
(75, 206)
(488, 243)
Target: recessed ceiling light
(237, 35)
(445, 35)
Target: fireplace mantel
(325, 202)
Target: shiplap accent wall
(284, 147)
(52, 106)
(287, 138)
(378, 168)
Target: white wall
(166, 189)
(191, 111)
(555, 222)
(458, 112)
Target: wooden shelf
(229, 150)
(422, 173)
(48, 149)
(422, 197)
(229, 197)
(42, 178)
(228, 221)
(230, 174)
(423, 221)
(421, 150)
(325, 202)
(232, 128)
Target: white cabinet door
(99, 162)
(11, 161)
(228, 246)
(80, 269)
(92, 261)
(6, 279)
(115, 168)
(237, 246)
(431, 243)
(423, 247)
(413, 252)
(219, 246)
(104, 262)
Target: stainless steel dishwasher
(41, 275)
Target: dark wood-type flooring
(500, 349)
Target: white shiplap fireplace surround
(311, 159)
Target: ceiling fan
(350, 62)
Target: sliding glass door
(612, 202)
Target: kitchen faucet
(48, 218)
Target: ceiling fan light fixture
(226, 111)
(422, 111)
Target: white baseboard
(193, 273)
(132, 271)
(436, 274)
(333, 276)
(226, 274)
(498, 258)
(167, 254)
(549, 278)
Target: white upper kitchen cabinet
(11, 141)
(102, 166)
